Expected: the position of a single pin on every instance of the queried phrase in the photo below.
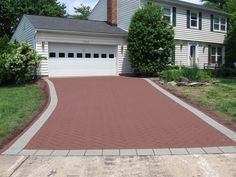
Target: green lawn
(17, 106)
(220, 97)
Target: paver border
(18, 147)
(224, 130)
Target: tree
(11, 12)
(82, 12)
(217, 4)
(231, 42)
(150, 40)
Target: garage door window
(52, 54)
(79, 55)
(87, 55)
(61, 55)
(96, 55)
(104, 55)
(70, 55)
(111, 56)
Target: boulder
(183, 79)
(172, 83)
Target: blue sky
(73, 3)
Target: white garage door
(81, 60)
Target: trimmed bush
(150, 40)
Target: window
(194, 20)
(104, 55)
(111, 56)
(79, 55)
(61, 55)
(216, 55)
(87, 55)
(70, 55)
(219, 24)
(96, 55)
(52, 54)
(167, 14)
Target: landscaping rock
(182, 84)
(172, 83)
(184, 79)
(196, 84)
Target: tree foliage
(11, 12)
(150, 40)
(82, 12)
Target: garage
(81, 60)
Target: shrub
(171, 75)
(226, 72)
(149, 32)
(196, 74)
(20, 65)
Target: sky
(74, 3)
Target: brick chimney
(112, 12)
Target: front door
(192, 55)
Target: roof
(192, 5)
(73, 25)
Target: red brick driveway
(120, 113)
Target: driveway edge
(23, 140)
(227, 132)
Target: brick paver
(120, 113)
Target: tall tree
(217, 4)
(82, 12)
(11, 12)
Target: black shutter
(200, 20)
(212, 19)
(188, 18)
(228, 22)
(209, 54)
(174, 16)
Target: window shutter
(200, 20)
(188, 18)
(174, 16)
(212, 18)
(209, 54)
(228, 21)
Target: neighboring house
(98, 46)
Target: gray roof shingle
(73, 25)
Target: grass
(220, 97)
(17, 106)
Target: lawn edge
(45, 88)
(221, 119)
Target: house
(97, 47)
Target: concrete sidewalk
(174, 166)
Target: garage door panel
(59, 67)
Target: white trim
(171, 12)
(220, 18)
(197, 13)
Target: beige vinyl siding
(25, 32)
(204, 35)
(43, 68)
(99, 12)
(181, 53)
(202, 54)
(124, 66)
(126, 9)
